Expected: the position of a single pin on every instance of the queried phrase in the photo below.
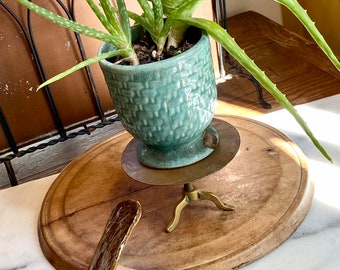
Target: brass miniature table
(228, 146)
(266, 182)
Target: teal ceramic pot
(167, 105)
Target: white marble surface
(19, 211)
(315, 244)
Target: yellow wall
(326, 14)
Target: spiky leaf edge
(306, 21)
(220, 35)
(85, 63)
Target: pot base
(227, 148)
(179, 156)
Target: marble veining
(314, 245)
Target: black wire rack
(16, 151)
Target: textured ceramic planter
(167, 105)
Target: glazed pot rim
(161, 63)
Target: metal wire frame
(29, 38)
(220, 14)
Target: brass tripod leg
(190, 194)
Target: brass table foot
(190, 194)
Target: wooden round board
(266, 182)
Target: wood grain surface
(266, 182)
(295, 64)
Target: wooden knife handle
(119, 227)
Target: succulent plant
(166, 21)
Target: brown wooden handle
(119, 227)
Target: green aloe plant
(179, 15)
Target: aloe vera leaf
(158, 25)
(307, 22)
(220, 35)
(169, 5)
(147, 25)
(122, 26)
(109, 27)
(176, 35)
(97, 58)
(109, 20)
(69, 24)
(124, 19)
(186, 8)
(158, 15)
(177, 31)
(147, 10)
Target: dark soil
(145, 48)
